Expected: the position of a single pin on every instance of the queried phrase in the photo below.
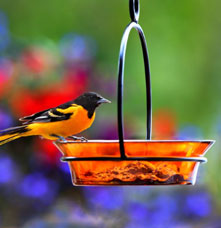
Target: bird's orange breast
(78, 122)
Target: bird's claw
(62, 139)
(82, 139)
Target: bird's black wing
(49, 115)
(33, 116)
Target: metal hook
(134, 6)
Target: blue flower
(138, 212)
(158, 212)
(7, 169)
(110, 198)
(64, 167)
(164, 210)
(190, 132)
(75, 47)
(198, 205)
(6, 120)
(37, 186)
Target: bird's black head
(90, 101)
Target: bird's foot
(60, 138)
(82, 139)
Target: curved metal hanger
(134, 8)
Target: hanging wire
(134, 8)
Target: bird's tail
(13, 133)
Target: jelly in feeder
(134, 162)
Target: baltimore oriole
(60, 122)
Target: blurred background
(52, 51)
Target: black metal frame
(134, 8)
(172, 159)
(134, 14)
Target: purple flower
(7, 169)
(6, 120)
(77, 48)
(190, 132)
(64, 167)
(163, 210)
(37, 186)
(138, 212)
(198, 204)
(110, 198)
(158, 212)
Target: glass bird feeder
(134, 162)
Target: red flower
(26, 101)
(164, 125)
(37, 60)
(46, 151)
(6, 71)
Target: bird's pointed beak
(103, 100)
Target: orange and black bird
(61, 122)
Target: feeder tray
(134, 162)
(146, 162)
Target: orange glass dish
(147, 163)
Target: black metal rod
(134, 7)
(134, 11)
(172, 159)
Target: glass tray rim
(200, 159)
(211, 141)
